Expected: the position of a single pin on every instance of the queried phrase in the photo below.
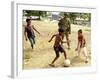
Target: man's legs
(68, 41)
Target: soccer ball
(67, 63)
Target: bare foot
(86, 61)
(52, 65)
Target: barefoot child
(57, 45)
(81, 46)
(29, 29)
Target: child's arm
(35, 29)
(25, 34)
(51, 38)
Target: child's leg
(57, 56)
(33, 38)
(54, 60)
(61, 49)
(31, 42)
(85, 53)
(79, 51)
(65, 55)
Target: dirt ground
(43, 54)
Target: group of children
(81, 46)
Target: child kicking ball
(81, 46)
(57, 45)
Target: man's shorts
(58, 49)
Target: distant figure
(65, 24)
(81, 46)
(57, 45)
(29, 29)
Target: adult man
(65, 24)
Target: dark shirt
(29, 31)
(64, 23)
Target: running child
(29, 32)
(57, 45)
(81, 46)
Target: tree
(73, 16)
(86, 16)
(35, 13)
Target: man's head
(80, 32)
(28, 21)
(61, 31)
(65, 15)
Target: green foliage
(73, 16)
(85, 16)
(88, 30)
(34, 13)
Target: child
(81, 46)
(57, 45)
(29, 29)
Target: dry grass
(43, 53)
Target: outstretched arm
(35, 29)
(51, 38)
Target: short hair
(80, 30)
(61, 30)
(66, 14)
(28, 20)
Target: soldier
(65, 24)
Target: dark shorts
(58, 49)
